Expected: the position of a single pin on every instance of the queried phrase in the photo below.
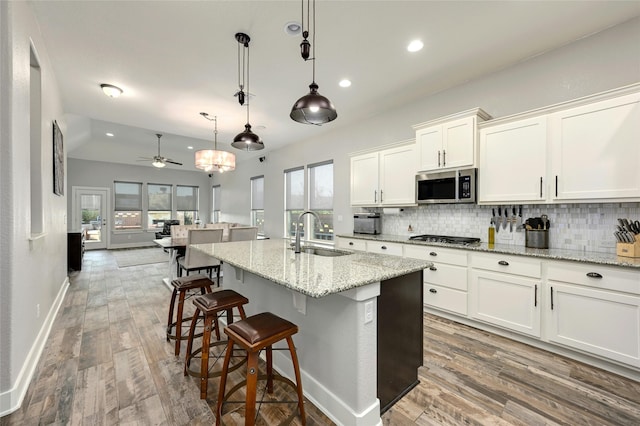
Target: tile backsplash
(585, 227)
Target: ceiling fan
(159, 160)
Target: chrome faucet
(297, 245)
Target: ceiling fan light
(313, 108)
(158, 163)
(247, 140)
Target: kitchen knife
(519, 223)
(506, 218)
(636, 225)
(498, 219)
(513, 218)
(493, 217)
(617, 235)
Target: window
(159, 205)
(257, 203)
(321, 199)
(187, 204)
(215, 208)
(315, 195)
(294, 200)
(127, 205)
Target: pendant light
(247, 140)
(212, 160)
(312, 108)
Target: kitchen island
(359, 317)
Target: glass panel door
(90, 216)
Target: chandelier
(212, 160)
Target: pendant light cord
(314, 43)
(248, 96)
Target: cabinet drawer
(516, 265)
(384, 248)
(444, 275)
(446, 299)
(602, 277)
(352, 244)
(436, 254)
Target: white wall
(604, 61)
(33, 272)
(100, 174)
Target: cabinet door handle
(535, 295)
(438, 158)
(444, 158)
(433, 268)
(552, 298)
(594, 275)
(375, 196)
(556, 185)
(433, 253)
(540, 186)
(503, 263)
(433, 290)
(383, 247)
(381, 195)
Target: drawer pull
(433, 253)
(351, 243)
(383, 247)
(433, 290)
(433, 268)
(594, 275)
(503, 263)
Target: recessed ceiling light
(109, 134)
(415, 46)
(292, 28)
(111, 90)
(345, 83)
(189, 147)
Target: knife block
(629, 249)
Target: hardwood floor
(107, 362)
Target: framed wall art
(58, 160)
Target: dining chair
(195, 260)
(243, 233)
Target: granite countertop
(555, 254)
(312, 275)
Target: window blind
(294, 189)
(321, 186)
(257, 193)
(128, 196)
(159, 197)
(186, 198)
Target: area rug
(140, 256)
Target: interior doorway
(90, 209)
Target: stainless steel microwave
(455, 186)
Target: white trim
(11, 400)
(132, 245)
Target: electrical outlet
(38, 310)
(368, 312)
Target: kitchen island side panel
(400, 331)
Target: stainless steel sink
(326, 252)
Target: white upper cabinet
(596, 150)
(583, 150)
(513, 158)
(384, 178)
(449, 142)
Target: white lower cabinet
(382, 247)
(445, 283)
(501, 294)
(351, 244)
(585, 311)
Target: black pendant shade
(247, 140)
(313, 108)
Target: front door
(90, 215)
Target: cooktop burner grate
(445, 239)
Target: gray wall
(603, 61)
(87, 173)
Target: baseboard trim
(12, 399)
(131, 245)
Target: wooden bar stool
(211, 305)
(181, 288)
(255, 333)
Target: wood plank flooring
(107, 362)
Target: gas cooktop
(465, 241)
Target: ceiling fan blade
(144, 159)
(172, 162)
